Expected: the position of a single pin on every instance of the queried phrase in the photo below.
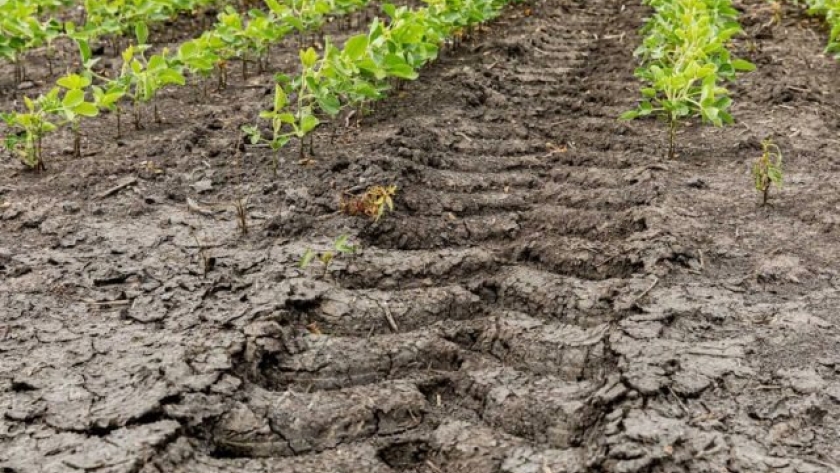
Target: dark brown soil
(550, 295)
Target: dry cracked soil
(550, 295)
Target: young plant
(288, 123)
(74, 107)
(684, 57)
(282, 122)
(340, 247)
(108, 98)
(372, 204)
(767, 169)
(31, 127)
(142, 79)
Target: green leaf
(73, 98)
(280, 98)
(279, 142)
(275, 7)
(171, 76)
(253, 133)
(743, 66)
(389, 10)
(308, 123)
(73, 81)
(342, 246)
(356, 47)
(156, 63)
(329, 104)
(629, 115)
(84, 50)
(307, 258)
(141, 32)
(86, 109)
(128, 54)
(308, 57)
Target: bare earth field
(550, 294)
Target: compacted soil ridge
(549, 295)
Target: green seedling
(281, 122)
(340, 247)
(108, 98)
(767, 169)
(74, 106)
(31, 127)
(142, 79)
(684, 58)
(285, 122)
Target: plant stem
(672, 135)
(50, 61)
(77, 141)
(136, 111)
(39, 153)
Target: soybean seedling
(281, 121)
(767, 169)
(31, 127)
(144, 78)
(74, 106)
(340, 247)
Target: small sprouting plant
(31, 127)
(288, 122)
(281, 120)
(373, 203)
(767, 169)
(144, 78)
(340, 247)
(74, 106)
(108, 98)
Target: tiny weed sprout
(767, 169)
(340, 247)
(373, 203)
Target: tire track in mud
(476, 335)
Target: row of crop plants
(353, 76)
(30, 24)
(685, 63)
(367, 66)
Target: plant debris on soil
(549, 294)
